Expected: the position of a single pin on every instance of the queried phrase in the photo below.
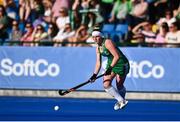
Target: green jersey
(122, 66)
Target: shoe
(120, 105)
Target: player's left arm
(112, 49)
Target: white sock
(114, 93)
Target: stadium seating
(115, 32)
(123, 28)
(108, 30)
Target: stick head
(61, 92)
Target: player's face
(97, 39)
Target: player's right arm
(97, 66)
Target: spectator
(173, 4)
(76, 15)
(59, 11)
(16, 33)
(155, 9)
(24, 9)
(160, 38)
(80, 37)
(48, 14)
(37, 10)
(84, 10)
(120, 9)
(87, 12)
(11, 9)
(63, 35)
(91, 20)
(52, 31)
(168, 18)
(107, 6)
(58, 4)
(39, 35)
(173, 36)
(138, 13)
(144, 30)
(4, 21)
(85, 4)
(75, 5)
(38, 21)
(95, 5)
(177, 13)
(63, 19)
(27, 36)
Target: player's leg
(111, 90)
(122, 91)
(119, 84)
(120, 78)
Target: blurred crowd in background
(70, 22)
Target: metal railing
(121, 44)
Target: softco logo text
(28, 67)
(144, 69)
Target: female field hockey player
(117, 67)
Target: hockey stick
(64, 92)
